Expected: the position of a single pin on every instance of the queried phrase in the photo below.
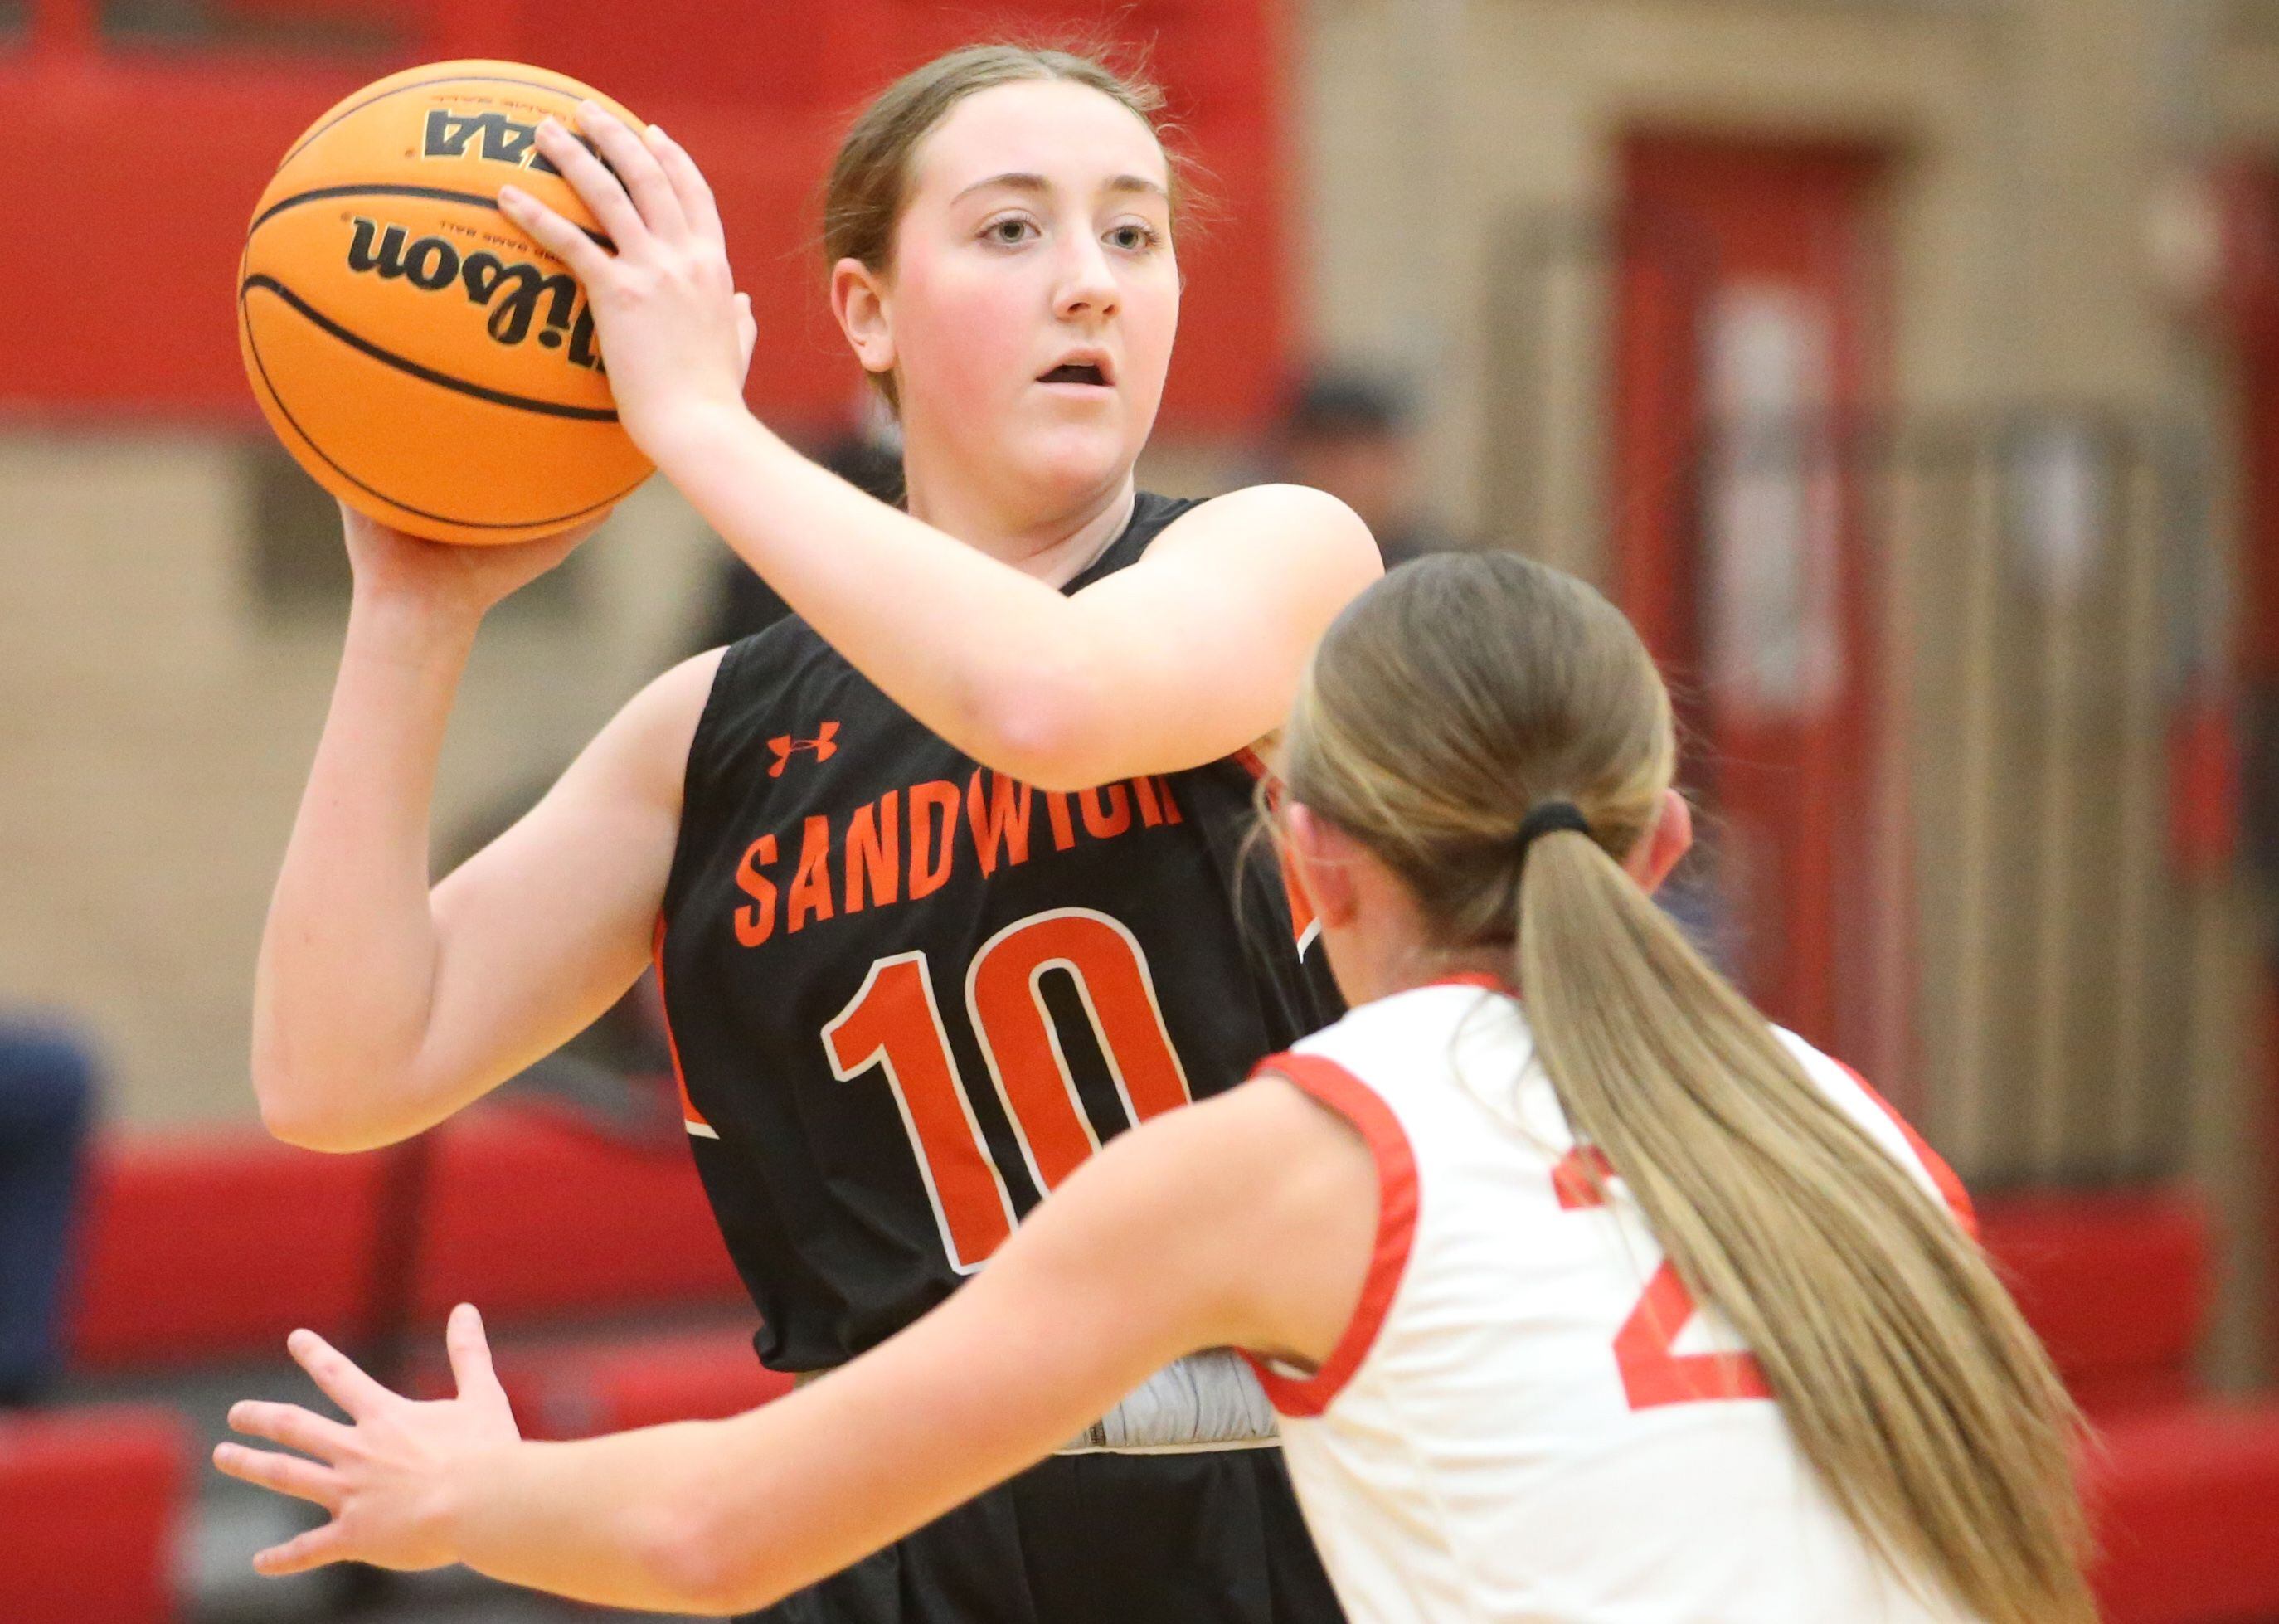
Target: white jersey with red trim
(1527, 1419)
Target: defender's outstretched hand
(386, 1478)
(676, 337)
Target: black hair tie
(1543, 818)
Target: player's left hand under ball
(388, 1477)
(676, 337)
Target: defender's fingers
(303, 1480)
(587, 259)
(337, 1374)
(697, 203)
(636, 165)
(470, 1353)
(302, 1552)
(594, 180)
(290, 1425)
(747, 328)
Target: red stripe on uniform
(688, 1111)
(1958, 1199)
(1357, 1102)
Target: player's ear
(1669, 839)
(1318, 854)
(858, 299)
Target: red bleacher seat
(2186, 1505)
(217, 1245)
(529, 1215)
(582, 1389)
(89, 1504)
(2115, 1284)
(2183, 1488)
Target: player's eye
(1134, 237)
(1009, 231)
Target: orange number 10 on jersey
(892, 1021)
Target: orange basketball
(428, 363)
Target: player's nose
(1086, 284)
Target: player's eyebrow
(1020, 181)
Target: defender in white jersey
(1586, 1296)
(1528, 1418)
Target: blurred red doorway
(1751, 346)
(2249, 306)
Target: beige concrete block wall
(2027, 140)
(158, 725)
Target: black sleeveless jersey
(908, 995)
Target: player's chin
(1079, 455)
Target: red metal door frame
(2250, 306)
(1702, 216)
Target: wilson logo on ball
(513, 294)
(500, 139)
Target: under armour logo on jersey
(785, 747)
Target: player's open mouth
(1092, 373)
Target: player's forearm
(993, 660)
(723, 1518)
(616, 1521)
(1108, 1281)
(341, 989)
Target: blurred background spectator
(868, 457)
(1350, 432)
(46, 1109)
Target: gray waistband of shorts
(1208, 1400)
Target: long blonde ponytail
(1443, 705)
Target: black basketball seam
(441, 194)
(417, 84)
(253, 348)
(425, 374)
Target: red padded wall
(134, 171)
(91, 1504)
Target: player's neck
(1050, 541)
(1389, 952)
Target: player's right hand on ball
(440, 575)
(674, 332)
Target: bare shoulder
(1315, 1154)
(1285, 523)
(1295, 1218)
(1252, 1150)
(1263, 1161)
(646, 742)
(1274, 1113)
(681, 690)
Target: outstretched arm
(1246, 1220)
(379, 1009)
(1186, 657)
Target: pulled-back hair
(870, 178)
(1442, 706)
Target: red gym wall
(134, 168)
(1750, 331)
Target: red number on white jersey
(1652, 1372)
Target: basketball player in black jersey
(940, 875)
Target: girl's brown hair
(1442, 706)
(869, 183)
